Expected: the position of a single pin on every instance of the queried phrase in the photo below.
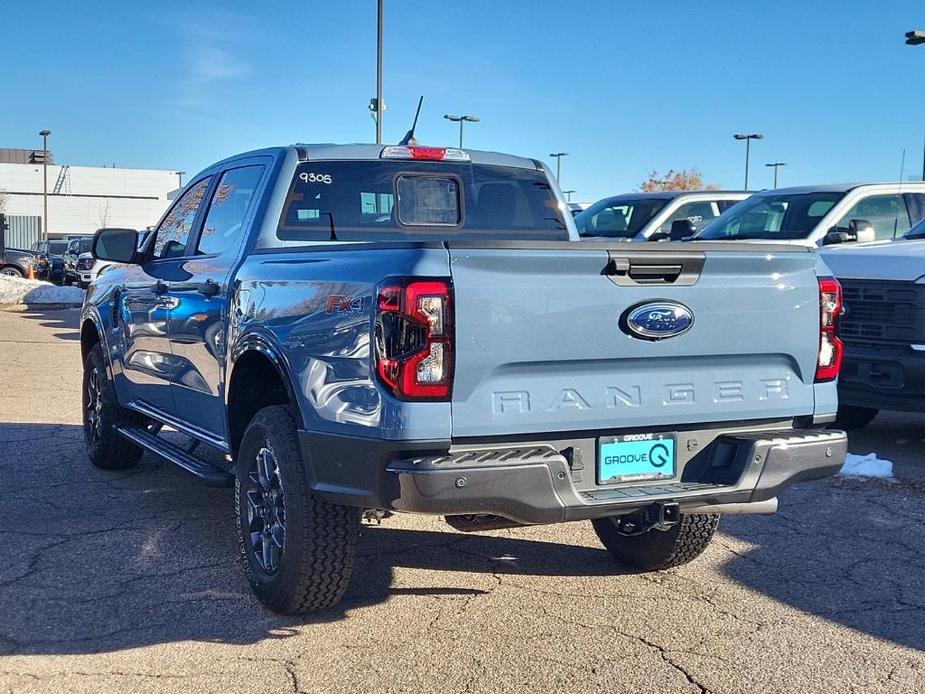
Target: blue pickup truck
(360, 330)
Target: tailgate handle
(654, 268)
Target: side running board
(207, 474)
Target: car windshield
(400, 200)
(916, 232)
(783, 216)
(85, 245)
(57, 247)
(618, 217)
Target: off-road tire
(852, 417)
(11, 271)
(320, 538)
(659, 549)
(107, 450)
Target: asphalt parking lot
(129, 582)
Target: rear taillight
(414, 338)
(830, 347)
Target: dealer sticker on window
(636, 458)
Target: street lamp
(568, 195)
(917, 38)
(748, 142)
(558, 157)
(180, 175)
(45, 134)
(776, 165)
(461, 120)
(376, 105)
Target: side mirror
(116, 245)
(658, 235)
(862, 230)
(836, 235)
(681, 229)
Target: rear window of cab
(410, 200)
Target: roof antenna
(408, 139)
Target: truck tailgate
(540, 345)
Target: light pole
(776, 165)
(180, 175)
(748, 141)
(568, 195)
(917, 38)
(379, 108)
(461, 120)
(45, 134)
(558, 157)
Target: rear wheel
(851, 417)
(297, 550)
(102, 414)
(658, 549)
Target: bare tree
(3, 200)
(104, 216)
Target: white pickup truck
(883, 328)
(822, 215)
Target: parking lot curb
(23, 308)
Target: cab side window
(916, 204)
(699, 213)
(886, 213)
(234, 196)
(174, 231)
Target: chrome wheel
(94, 406)
(266, 511)
(10, 272)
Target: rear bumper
(884, 377)
(545, 483)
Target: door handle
(160, 288)
(209, 288)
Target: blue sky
(623, 86)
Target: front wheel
(10, 271)
(658, 549)
(102, 414)
(297, 550)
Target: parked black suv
(53, 252)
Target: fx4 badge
(340, 303)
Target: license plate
(635, 458)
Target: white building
(82, 199)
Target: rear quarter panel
(315, 305)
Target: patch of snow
(16, 290)
(866, 466)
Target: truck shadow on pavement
(851, 552)
(62, 320)
(101, 561)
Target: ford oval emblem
(657, 320)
